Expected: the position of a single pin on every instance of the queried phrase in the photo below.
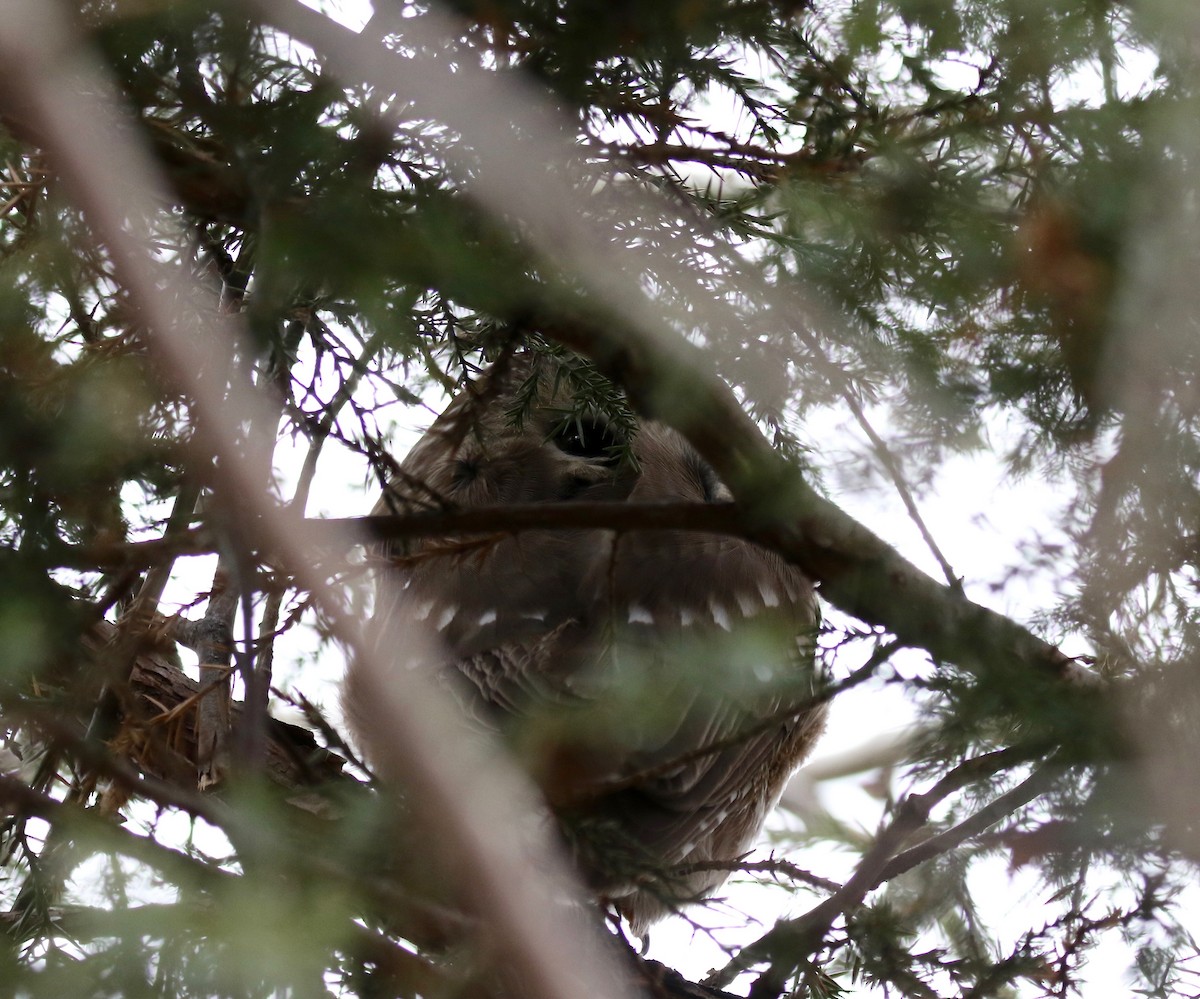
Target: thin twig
(891, 465)
(319, 433)
(1036, 784)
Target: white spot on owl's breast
(769, 597)
(747, 605)
(720, 616)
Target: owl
(657, 683)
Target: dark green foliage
(969, 221)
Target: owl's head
(517, 435)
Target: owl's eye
(464, 472)
(587, 437)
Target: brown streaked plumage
(555, 631)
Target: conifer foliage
(242, 241)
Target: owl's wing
(508, 625)
(722, 751)
(520, 676)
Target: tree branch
(858, 571)
(790, 942)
